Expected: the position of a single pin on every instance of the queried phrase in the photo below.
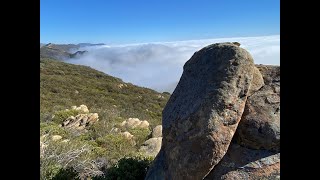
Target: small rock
(160, 96)
(120, 86)
(123, 123)
(134, 123)
(56, 137)
(42, 138)
(151, 147)
(84, 108)
(257, 81)
(65, 140)
(144, 124)
(114, 130)
(84, 120)
(80, 128)
(157, 131)
(127, 135)
(93, 117)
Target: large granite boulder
(203, 112)
(259, 127)
(255, 151)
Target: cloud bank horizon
(159, 65)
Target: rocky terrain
(82, 120)
(152, 146)
(92, 125)
(66, 146)
(223, 119)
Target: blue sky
(136, 21)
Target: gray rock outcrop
(203, 112)
(220, 88)
(81, 121)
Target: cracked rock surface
(220, 88)
(203, 112)
(260, 123)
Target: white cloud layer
(159, 65)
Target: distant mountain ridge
(63, 51)
(72, 45)
(89, 44)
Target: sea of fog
(158, 65)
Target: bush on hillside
(140, 135)
(57, 157)
(66, 174)
(60, 116)
(52, 128)
(117, 146)
(104, 126)
(132, 168)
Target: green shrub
(131, 168)
(49, 170)
(58, 156)
(84, 137)
(140, 135)
(99, 151)
(166, 93)
(103, 127)
(60, 116)
(51, 128)
(66, 174)
(55, 171)
(116, 145)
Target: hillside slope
(110, 102)
(63, 85)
